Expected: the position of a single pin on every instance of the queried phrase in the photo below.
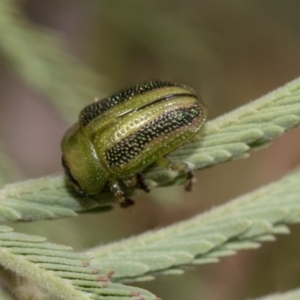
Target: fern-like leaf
(240, 224)
(232, 135)
(4, 296)
(291, 295)
(60, 271)
(228, 137)
(37, 55)
(8, 169)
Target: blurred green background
(56, 56)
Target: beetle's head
(81, 162)
(70, 176)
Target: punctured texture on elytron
(117, 137)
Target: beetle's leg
(190, 177)
(130, 181)
(183, 167)
(137, 179)
(142, 183)
(126, 203)
(119, 194)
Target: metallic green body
(119, 136)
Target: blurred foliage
(242, 224)
(68, 52)
(37, 55)
(9, 171)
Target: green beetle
(116, 138)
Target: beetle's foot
(130, 181)
(142, 183)
(182, 167)
(126, 202)
(119, 194)
(191, 180)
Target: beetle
(117, 137)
